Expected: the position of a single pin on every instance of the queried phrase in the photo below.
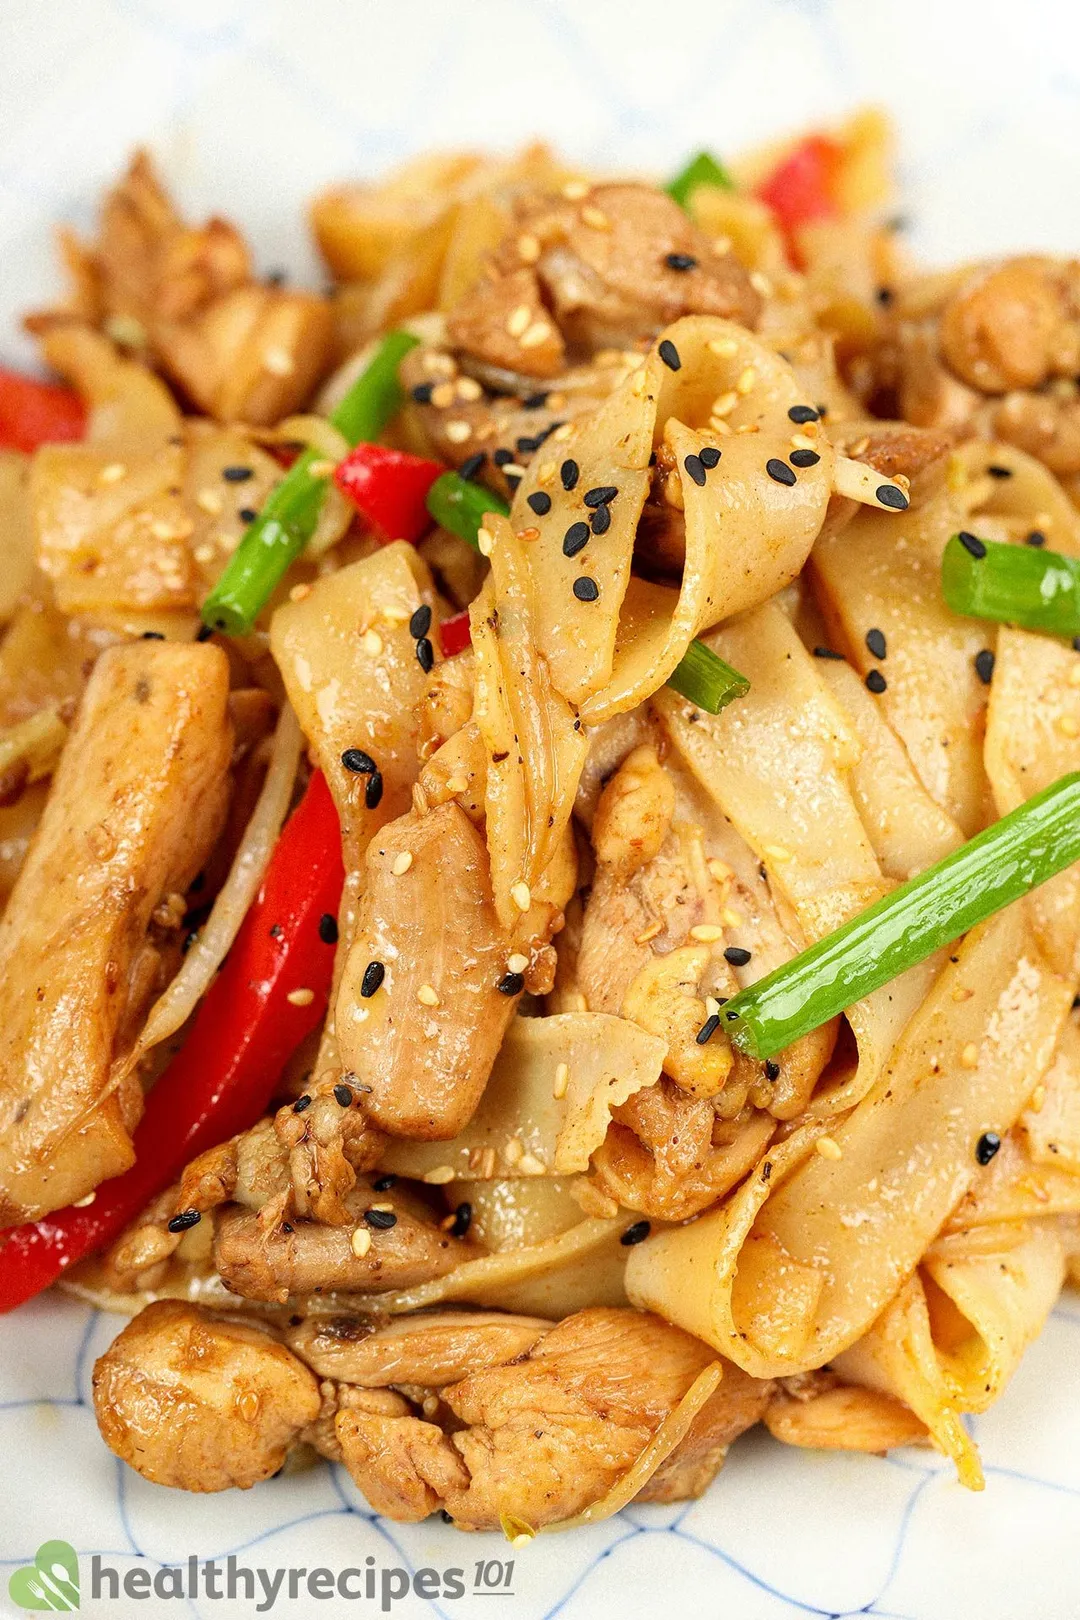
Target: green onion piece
(1036, 589)
(703, 678)
(1016, 854)
(290, 512)
(703, 170)
(460, 505)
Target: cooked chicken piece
(634, 813)
(1013, 325)
(136, 804)
(624, 261)
(842, 1417)
(346, 1397)
(503, 322)
(201, 1401)
(548, 1435)
(893, 448)
(739, 1403)
(420, 1015)
(188, 300)
(432, 1350)
(262, 1257)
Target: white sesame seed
(427, 996)
(113, 473)
(720, 871)
(969, 1057)
(484, 542)
(724, 404)
(513, 1150)
(442, 395)
(521, 895)
(761, 283)
(517, 963)
(730, 917)
(530, 1165)
(722, 245)
(724, 347)
(648, 933)
(279, 362)
(457, 431)
(518, 320)
(457, 784)
(1068, 726)
(84, 1203)
(538, 333)
(441, 1174)
(300, 998)
(204, 553)
(360, 1242)
(468, 388)
(210, 501)
(777, 852)
(372, 643)
(747, 379)
(528, 248)
(401, 863)
(595, 218)
(562, 1080)
(299, 593)
(706, 933)
(574, 190)
(828, 1148)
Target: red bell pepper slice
(455, 634)
(389, 489)
(224, 1076)
(802, 187)
(33, 413)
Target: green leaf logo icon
(50, 1582)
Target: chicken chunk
(549, 1434)
(201, 1401)
(273, 1260)
(420, 1015)
(431, 1350)
(136, 804)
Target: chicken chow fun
(540, 828)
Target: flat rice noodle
(1051, 1123)
(777, 763)
(783, 1283)
(535, 743)
(1009, 508)
(952, 1339)
(1012, 1188)
(746, 534)
(608, 1059)
(17, 556)
(131, 409)
(883, 571)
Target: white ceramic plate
(252, 104)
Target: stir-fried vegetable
(33, 413)
(702, 677)
(270, 994)
(1021, 585)
(389, 488)
(460, 505)
(802, 186)
(999, 865)
(288, 518)
(703, 170)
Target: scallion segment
(1015, 855)
(703, 170)
(460, 505)
(702, 677)
(290, 512)
(1022, 585)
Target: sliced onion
(176, 1004)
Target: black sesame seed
(772, 1070)
(680, 261)
(204, 632)
(708, 1029)
(512, 481)
(384, 1183)
(600, 522)
(695, 470)
(972, 545)
(237, 475)
(575, 539)
(420, 623)
(502, 458)
(669, 354)
(984, 666)
(447, 1518)
(381, 1219)
(779, 470)
(569, 473)
(373, 791)
(374, 974)
(586, 589)
(802, 413)
(884, 295)
(301, 1103)
(328, 929)
(736, 956)
(889, 495)
(709, 456)
(472, 465)
(343, 1096)
(462, 1221)
(535, 402)
(875, 640)
(425, 657)
(361, 764)
(247, 514)
(511, 984)
(600, 495)
(876, 682)
(636, 1234)
(804, 458)
(999, 472)
(526, 444)
(1035, 538)
(987, 1146)
(540, 503)
(422, 393)
(827, 652)
(186, 1219)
